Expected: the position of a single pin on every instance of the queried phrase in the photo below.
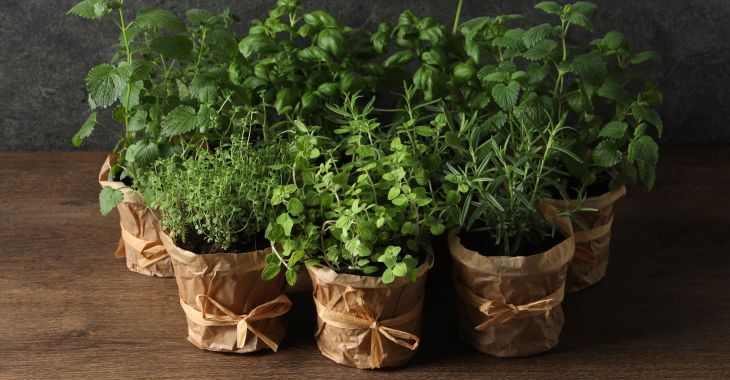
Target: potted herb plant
(510, 252)
(359, 216)
(167, 83)
(213, 205)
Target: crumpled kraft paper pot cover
(510, 306)
(364, 323)
(591, 246)
(228, 306)
(140, 241)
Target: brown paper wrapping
(510, 306)
(591, 246)
(228, 306)
(140, 239)
(364, 323)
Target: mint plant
(167, 84)
(362, 204)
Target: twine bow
(500, 311)
(377, 328)
(151, 251)
(272, 309)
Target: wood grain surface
(68, 309)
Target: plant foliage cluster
(278, 131)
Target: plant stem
(456, 19)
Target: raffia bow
(377, 328)
(272, 309)
(151, 251)
(500, 311)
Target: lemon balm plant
(166, 83)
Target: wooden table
(68, 309)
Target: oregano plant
(361, 204)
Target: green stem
(456, 19)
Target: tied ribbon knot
(500, 312)
(377, 328)
(151, 251)
(272, 309)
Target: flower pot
(510, 306)
(591, 246)
(140, 240)
(364, 323)
(228, 306)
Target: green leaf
(540, 50)
(295, 206)
(648, 115)
(92, 9)
(393, 193)
(584, 7)
(647, 173)
(291, 276)
(203, 88)
(400, 200)
(388, 276)
(506, 95)
(159, 19)
(590, 67)
(612, 40)
(257, 43)
(286, 99)
(437, 229)
(606, 155)
(198, 16)
(109, 198)
(399, 58)
(105, 84)
(270, 271)
(550, 7)
(146, 154)
(614, 91)
(642, 57)
(537, 34)
(179, 121)
(331, 40)
(85, 131)
(173, 47)
(464, 71)
(400, 269)
(580, 19)
(315, 54)
(614, 130)
(286, 222)
(643, 149)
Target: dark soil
(482, 243)
(197, 244)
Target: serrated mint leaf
(179, 121)
(85, 131)
(137, 122)
(540, 50)
(614, 91)
(198, 16)
(649, 115)
(612, 40)
(643, 149)
(159, 19)
(506, 95)
(105, 85)
(109, 198)
(203, 88)
(91, 9)
(591, 67)
(614, 130)
(146, 153)
(606, 155)
(173, 47)
(537, 34)
(549, 7)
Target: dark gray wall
(44, 56)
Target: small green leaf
(92, 9)
(295, 206)
(331, 40)
(642, 57)
(179, 121)
(606, 155)
(85, 131)
(437, 229)
(270, 271)
(286, 99)
(286, 222)
(614, 130)
(393, 193)
(257, 43)
(540, 50)
(315, 54)
(537, 34)
(550, 7)
(291, 276)
(105, 85)
(400, 269)
(388, 276)
(399, 58)
(159, 19)
(506, 95)
(109, 198)
(644, 149)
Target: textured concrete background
(44, 56)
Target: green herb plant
(363, 204)
(167, 84)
